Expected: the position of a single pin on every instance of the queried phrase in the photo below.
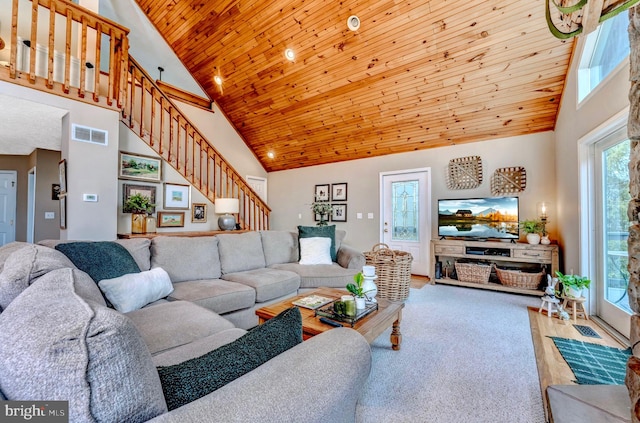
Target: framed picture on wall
(139, 167)
(62, 175)
(198, 213)
(63, 212)
(170, 219)
(339, 213)
(55, 191)
(322, 192)
(145, 190)
(177, 196)
(339, 192)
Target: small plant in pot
(532, 228)
(572, 285)
(139, 206)
(357, 290)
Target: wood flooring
(552, 368)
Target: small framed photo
(145, 190)
(170, 219)
(177, 196)
(198, 213)
(322, 192)
(55, 191)
(339, 192)
(63, 211)
(339, 213)
(140, 168)
(62, 175)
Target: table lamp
(226, 207)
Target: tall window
(604, 49)
(405, 211)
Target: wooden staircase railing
(67, 61)
(154, 117)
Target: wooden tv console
(503, 254)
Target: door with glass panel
(612, 197)
(405, 215)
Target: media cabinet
(506, 255)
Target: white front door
(8, 192)
(406, 214)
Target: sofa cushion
(186, 258)
(26, 264)
(240, 252)
(195, 378)
(7, 249)
(56, 345)
(328, 231)
(140, 250)
(135, 290)
(100, 259)
(315, 250)
(197, 348)
(279, 247)
(268, 283)
(329, 275)
(215, 294)
(169, 325)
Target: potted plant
(572, 285)
(357, 289)
(139, 205)
(532, 228)
(323, 210)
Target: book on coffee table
(312, 301)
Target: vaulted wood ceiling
(417, 74)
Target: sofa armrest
(350, 258)
(317, 381)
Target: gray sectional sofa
(60, 341)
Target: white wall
(291, 192)
(90, 168)
(572, 124)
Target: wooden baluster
(34, 42)
(162, 123)
(143, 97)
(83, 59)
(52, 31)
(14, 40)
(67, 52)
(171, 134)
(96, 65)
(132, 97)
(153, 115)
(122, 71)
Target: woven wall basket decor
(464, 173)
(508, 180)
(569, 18)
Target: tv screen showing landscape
(484, 218)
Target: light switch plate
(93, 198)
(358, 215)
(49, 215)
(369, 215)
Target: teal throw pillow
(100, 259)
(328, 231)
(192, 379)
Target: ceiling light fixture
(271, 154)
(217, 79)
(353, 23)
(290, 55)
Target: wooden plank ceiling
(417, 74)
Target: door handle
(386, 230)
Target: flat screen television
(479, 218)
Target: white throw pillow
(135, 290)
(315, 250)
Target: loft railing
(59, 47)
(154, 117)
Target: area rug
(594, 364)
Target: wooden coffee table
(389, 314)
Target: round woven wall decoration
(508, 180)
(464, 172)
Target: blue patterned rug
(594, 364)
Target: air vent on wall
(86, 134)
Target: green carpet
(594, 364)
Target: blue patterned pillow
(328, 231)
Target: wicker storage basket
(471, 272)
(393, 269)
(518, 279)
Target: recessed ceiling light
(271, 154)
(353, 23)
(290, 55)
(217, 79)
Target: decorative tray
(327, 311)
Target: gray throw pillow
(54, 345)
(195, 378)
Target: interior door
(406, 215)
(259, 185)
(8, 192)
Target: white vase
(360, 303)
(369, 288)
(533, 238)
(572, 292)
(545, 240)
